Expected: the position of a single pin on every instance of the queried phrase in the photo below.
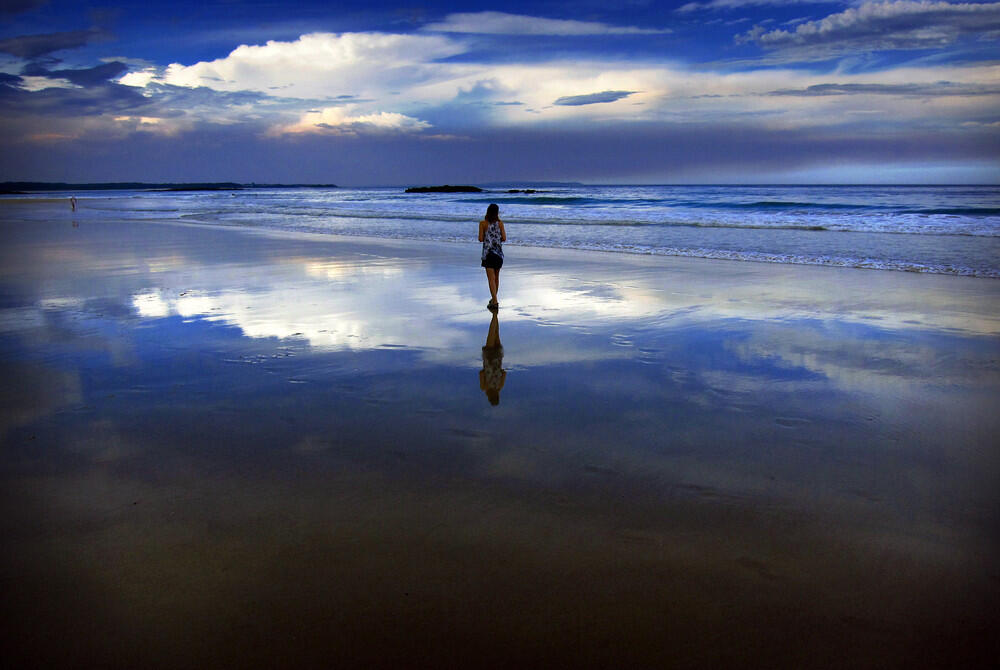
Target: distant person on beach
(492, 376)
(491, 234)
(72, 202)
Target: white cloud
(736, 4)
(323, 65)
(670, 92)
(377, 83)
(33, 84)
(678, 95)
(139, 78)
(349, 83)
(872, 26)
(361, 82)
(339, 120)
(501, 23)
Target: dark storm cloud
(879, 26)
(70, 102)
(11, 7)
(667, 152)
(99, 97)
(34, 46)
(939, 89)
(592, 98)
(87, 77)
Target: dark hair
(493, 212)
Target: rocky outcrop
(444, 189)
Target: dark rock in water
(522, 190)
(444, 189)
(204, 187)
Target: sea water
(935, 229)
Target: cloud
(42, 96)
(139, 78)
(592, 98)
(324, 65)
(83, 77)
(466, 98)
(410, 75)
(11, 7)
(500, 23)
(360, 77)
(941, 88)
(33, 46)
(182, 97)
(386, 90)
(597, 153)
(717, 5)
(340, 121)
(61, 97)
(32, 84)
(44, 108)
(876, 26)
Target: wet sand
(234, 449)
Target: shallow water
(935, 229)
(224, 448)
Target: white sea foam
(937, 229)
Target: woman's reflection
(492, 376)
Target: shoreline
(967, 273)
(963, 253)
(748, 257)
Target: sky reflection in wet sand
(224, 428)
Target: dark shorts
(493, 261)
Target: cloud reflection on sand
(357, 304)
(429, 299)
(854, 330)
(303, 423)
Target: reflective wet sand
(233, 449)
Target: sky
(387, 93)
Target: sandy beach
(226, 448)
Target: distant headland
(27, 186)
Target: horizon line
(223, 185)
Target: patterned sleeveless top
(491, 240)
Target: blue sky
(365, 93)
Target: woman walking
(492, 234)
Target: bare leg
(491, 277)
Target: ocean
(935, 229)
